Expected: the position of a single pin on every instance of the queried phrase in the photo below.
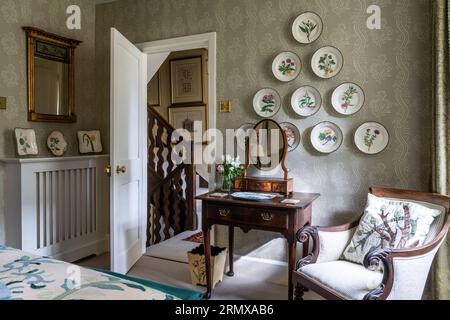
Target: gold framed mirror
(51, 76)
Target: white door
(128, 152)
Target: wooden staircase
(171, 186)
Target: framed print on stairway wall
(185, 117)
(186, 80)
(154, 91)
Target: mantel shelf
(53, 159)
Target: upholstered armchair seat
(400, 274)
(348, 280)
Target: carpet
(197, 238)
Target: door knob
(108, 170)
(121, 169)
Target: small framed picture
(89, 142)
(154, 91)
(186, 80)
(185, 117)
(26, 142)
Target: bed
(25, 276)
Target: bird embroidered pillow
(389, 223)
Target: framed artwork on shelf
(89, 142)
(154, 91)
(26, 142)
(185, 118)
(186, 80)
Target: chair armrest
(392, 259)
(322, 238)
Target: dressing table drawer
(249, 216)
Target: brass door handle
(266, 216)
(121, 169)
(224, 212)
(108, 170)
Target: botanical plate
(286, 66)
(348, 98)
(57, 143)
(292, 134)
(306, 101)
(254, 196)
(326, 137)
(267, 102)
(371, 138)
(327, 62)
(307, 28)
(26, 142)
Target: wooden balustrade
(171, 186)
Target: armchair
(404, 271)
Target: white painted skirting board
(57, 207)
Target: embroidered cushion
(390, 223)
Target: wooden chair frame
(382, 257)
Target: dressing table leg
(207, 243)
(231, 250)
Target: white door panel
(128, 151)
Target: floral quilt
(25, 276)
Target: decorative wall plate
(371, 138)
(326, 137)
(286, 66)
(57, 143)
(307, 28)
(348, 98)
(267, 102)
(90, 142)
(292, 134)
(254, 196)
(306, 101)
(26, 142)
(327, 62)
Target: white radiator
(57, 207)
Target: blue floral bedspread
(25, 276)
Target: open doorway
(181, 92)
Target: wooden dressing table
(248, 215)
(266, 150)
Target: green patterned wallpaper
(392, 65)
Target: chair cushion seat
(348, 280)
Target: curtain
(439, 285)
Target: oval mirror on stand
(266, 150)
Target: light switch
(2, 102)
(225, 106)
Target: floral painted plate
(292, 134)
(306, 101)
(286, 66)
(307, 28)
(327, 62)
(267, 102)
(326, 137)
(371, 138)
(57, 144)
(348, 99)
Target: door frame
(199, 41)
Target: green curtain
(439, 285)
